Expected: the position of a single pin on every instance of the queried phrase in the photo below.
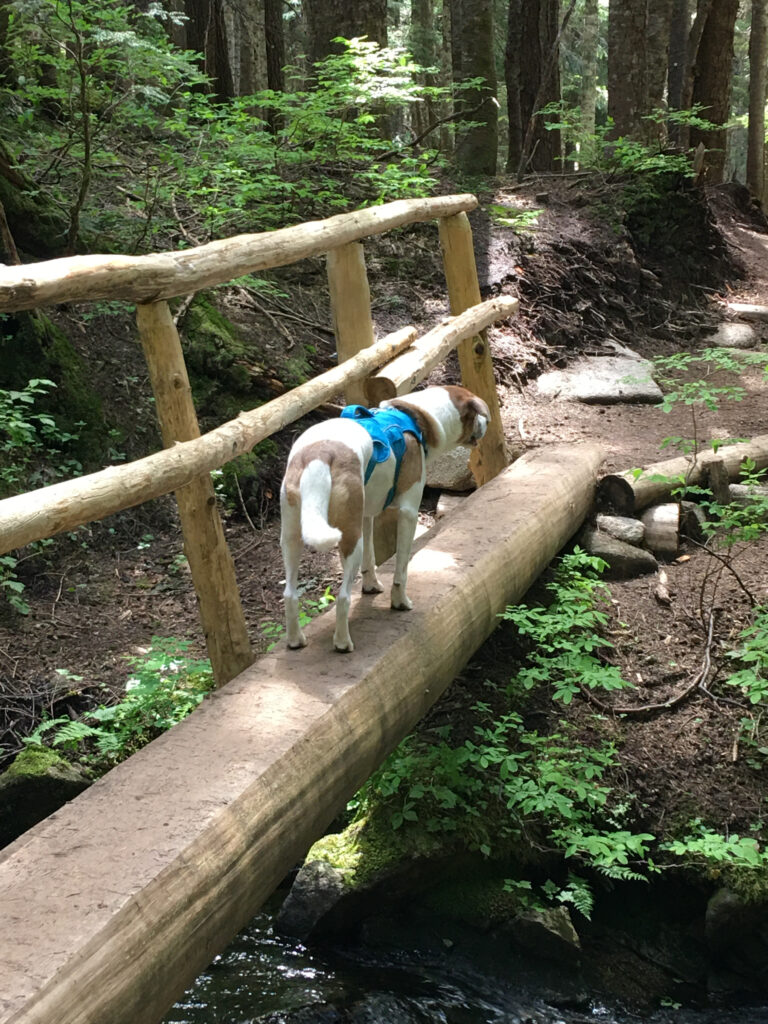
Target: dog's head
(473, 414)
(447, 416)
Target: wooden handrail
(170, 274)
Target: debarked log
(633, 490)
(63, 506)
(407, 370)
(168, 274)
(160, 863)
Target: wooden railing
(185, 464)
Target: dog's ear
(426, 424)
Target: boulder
(547, 933)
(317, 889)
(729, 335)
(624, 560)
(603, 380)
(623, 528)
(37, 783)
(451, 472)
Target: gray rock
(38, 783)
(546, 933)
(317, 889)
(730, 335)
(748, 310)
(451, 472)
(602, 380)
(728, 920)
(630, 531)
(624, 560)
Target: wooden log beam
(210, 561)
(489, 457)
(407, 370)
(63, 506)
(657, 481)
(169, 274)
(351, 307)
(178, 847)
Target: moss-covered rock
(37, 783)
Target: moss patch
(36, 784)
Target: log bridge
(111, 906)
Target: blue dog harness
(387, 428)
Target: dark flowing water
(264, 977)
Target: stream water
(271, 979)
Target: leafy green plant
(752, 655)
(510, 217)
(565, 635)
(703, 845)
(166, 684)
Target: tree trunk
(679, 31)
(758, 47)
(206, 33)
(638, 44)
(248, 46)
(422, 45)
(275, 41)
(474, 46)
(590, 37)
(712, 84)
(529, 55)
(327, 19)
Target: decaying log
(656, 482)
(169, 274)
(112, 907)
(407, 370)
(715, 478)
(63, 506)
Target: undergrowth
(515, 792)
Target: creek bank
(645, 945)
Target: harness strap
(387, 428)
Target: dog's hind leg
(406, 530)
(342, 641)
(292, 547)
(371, 582)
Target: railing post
(490, 456)
(206, 549)
(351, 306)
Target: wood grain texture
(111, 907)
(351, 307)
(490, 456)
(169, 274)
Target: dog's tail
(315, 488)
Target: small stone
(624, 560)
(730, 335)
(547, 933)
(602, 380)
(623, 528)
(317, 888)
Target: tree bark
(473, 50)
(532, 48)
(590, 37)
(758, 53)
(206, 33)
(712, 85)
(327, 19)
(638, 44)
(275, 40)
(423, 47)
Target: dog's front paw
(343, 646)
(372, 584)
(295, 643)
(399, 601)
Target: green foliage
(704, 846)
(752, 655)
(140, 156)
(32, 445)
(564, 635)
(165, 685)
(511, 217)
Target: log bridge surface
(110, 907)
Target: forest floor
(583, 283)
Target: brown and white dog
(325, 501)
